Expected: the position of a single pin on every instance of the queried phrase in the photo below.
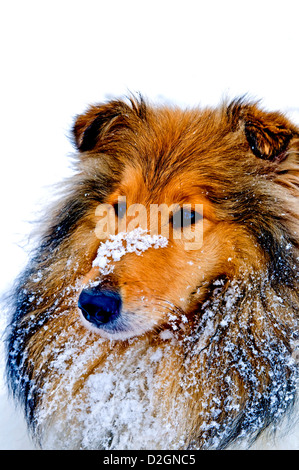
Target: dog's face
(164, 282)
(212, 171)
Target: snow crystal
(166, 335)
(136, 241)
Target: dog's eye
(184, 218)
(120, 209)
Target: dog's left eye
(120, 209)
(184, 218)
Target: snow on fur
(136, 241)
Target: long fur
(219, 365)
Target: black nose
(100, 307)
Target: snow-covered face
(219, 161)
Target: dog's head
(220, 186)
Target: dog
(124, 336)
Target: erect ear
(268, 134)
(98, 120)
(93, 124)
(88, 126)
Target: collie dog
(160, 307)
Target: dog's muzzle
(100, 307)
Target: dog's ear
(91, 125)
(268, 134)
(99, 120)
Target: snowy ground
(57, 57)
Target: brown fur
(222, 320)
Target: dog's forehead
(152, 188)
(182, 146)
(177, 158)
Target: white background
(60, 55)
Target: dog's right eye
(120, 209)
(184, 218)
